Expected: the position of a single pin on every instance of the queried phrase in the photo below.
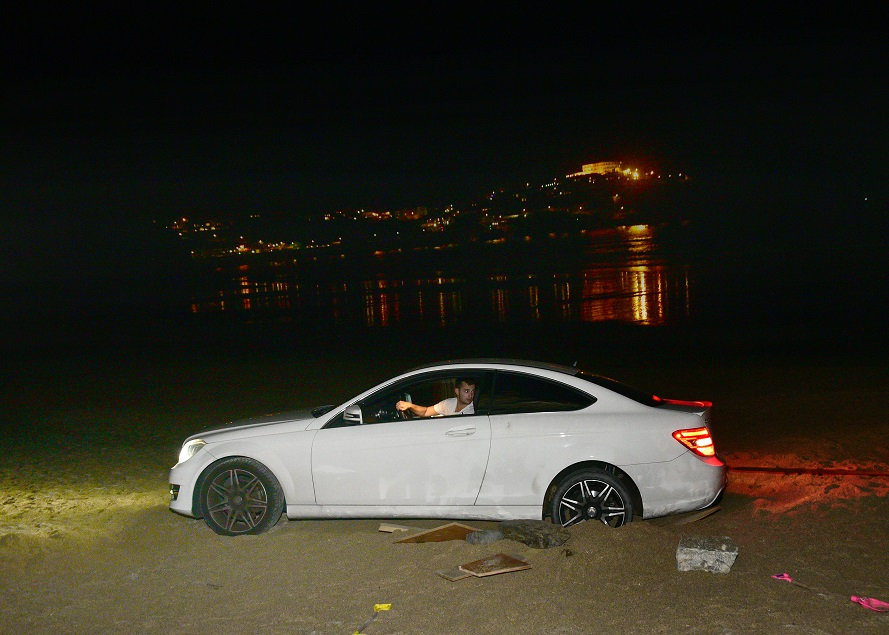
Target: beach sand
(87, 543)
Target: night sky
(115, 118)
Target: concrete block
(715, 554)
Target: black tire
(241, 496)
(592, 495)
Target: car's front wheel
(241, 496)
(591, 495)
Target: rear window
(520, 393)
(640, 396)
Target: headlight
(190, 448)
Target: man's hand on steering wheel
(404, 410)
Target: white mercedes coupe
(486, 439)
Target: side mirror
(352, 415)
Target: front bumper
(182, 481)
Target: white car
(533, 441)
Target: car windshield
(641, 396)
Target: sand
(87, 543)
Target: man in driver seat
(461, 404)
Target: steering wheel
(406, 415)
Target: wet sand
(87, 542)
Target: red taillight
(683, 402)
(698, 440)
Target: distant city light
(507, 213)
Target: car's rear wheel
(591, 495)
(241, 496)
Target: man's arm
(417, 409)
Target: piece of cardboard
(492, 565)
(451, 531)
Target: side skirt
(492, 512)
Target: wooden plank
(492, 565)
(451, 531)
(454, 574)
(684, 519)
(390, 528)
(696, 516)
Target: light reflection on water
(623, 278)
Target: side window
(380, 407)
(427, 391)
(514, 392)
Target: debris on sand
(714, 554)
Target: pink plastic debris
(783, 576)
(871, 603)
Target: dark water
(630, 276)
(643, 288)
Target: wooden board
(492, 565)
(684, 519)
(451, 531)
(390, 528)
(454, 574)
(696, 516)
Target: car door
(533, 422)
(389, 461)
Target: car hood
(295, 417)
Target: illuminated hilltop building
(600, 167)
(605, 168)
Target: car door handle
(463, 431)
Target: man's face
(465, 393)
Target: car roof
(490, 361)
